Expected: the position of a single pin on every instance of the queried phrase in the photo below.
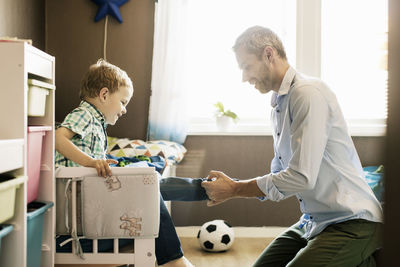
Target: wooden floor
(248, 244)
(243, 252)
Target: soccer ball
(216, 236)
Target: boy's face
(114, 105)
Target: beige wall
(77, 41)
(246, 157)
(24, 19)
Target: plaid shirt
(89, 127)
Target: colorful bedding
(122, 147)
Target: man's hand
(219, 187)
(102, 166)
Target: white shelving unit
(18, 63)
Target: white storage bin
(37, 93)
(8, 188)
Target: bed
(83, 213)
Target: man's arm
(221, 187)
(64, 145)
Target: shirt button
(300, 200)
(278, 110)
(278, 134)
(280, 157)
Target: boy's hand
(102, 166)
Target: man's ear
(104, 93)
(268, 54)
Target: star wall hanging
(109, 7)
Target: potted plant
(224, 118)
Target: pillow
(123, 147)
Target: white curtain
(168, 118)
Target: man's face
(255, 70)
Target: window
(213, 71)
(214, 75)
(354, 57)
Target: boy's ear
(104, 92)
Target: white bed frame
(144, 249)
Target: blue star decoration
(109, 7)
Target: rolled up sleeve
(269, 189)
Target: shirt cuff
(268, 188)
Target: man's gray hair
(256, 38)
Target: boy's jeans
(182, 189)
(168, 246)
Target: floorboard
(247, 246)
(243, 252)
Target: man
(315, 160)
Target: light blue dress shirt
(315, 158)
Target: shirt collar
(92, 109)
(287, 81)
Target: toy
(216, 236)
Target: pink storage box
(35, 139)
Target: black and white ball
(216, 236)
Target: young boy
(81, 140)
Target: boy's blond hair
(103, 74)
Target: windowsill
(240, 130)
(210, 129)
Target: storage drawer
(8, 189)
(5, 229)
(39, 63)
(35, 218)
(34, 151)
(11, 154)
(37, 93)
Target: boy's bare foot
(181, 262)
